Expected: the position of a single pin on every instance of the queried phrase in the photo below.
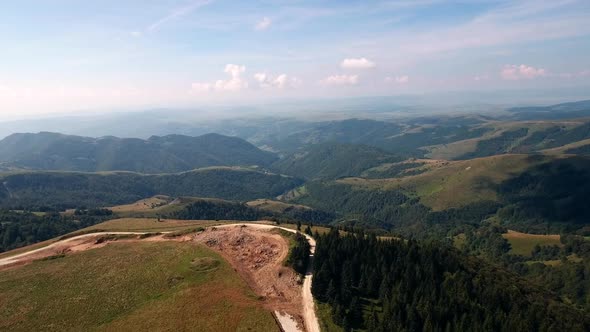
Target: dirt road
(63, 243)
(308, 306)
(309, 316)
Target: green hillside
(143, 285)
(71, 189)
(527, 192)
(172, 153)
(333, 160)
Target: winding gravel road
(309, 315)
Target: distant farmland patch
(523, 243)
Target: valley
(493, 198)
(295, 166)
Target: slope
(72, 189)
(172, 153)
(126, 284)
(333, 160)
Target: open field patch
(454, 184)
(149, 225)
(523, 243)
(147, 285)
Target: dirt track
(307, 305)
(77, 243)
(256, 255)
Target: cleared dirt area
(258, 256)
(257, 252)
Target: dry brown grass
(143, 205)
(130, 286)
(523, 243)
(273, 206)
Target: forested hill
(61, 190)
(158, 154)
(333, 160)
(409, 286)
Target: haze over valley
(300, 165)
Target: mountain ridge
(157, 154)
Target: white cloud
(357, 63)
(263, 24)
(234, 83)
(514, 72)
(340, 80)
(135, 33)
(260, 77)
(281, 81)
(398, 79)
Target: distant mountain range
(158, 154)
(571, 110)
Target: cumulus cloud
(397, 79)
(335, 80)
(263, 24)
(281, 81)
(235, 83)
(514, 72)
(357, 63)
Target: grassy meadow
(454, 184)
(523, 243)
(148, 285)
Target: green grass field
(523, 244)
(149, 225)
(455, 183)
(152, 286)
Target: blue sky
(71, 55)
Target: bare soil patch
(258, 256)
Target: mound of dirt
(258, 255)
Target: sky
(61, 56)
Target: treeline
(18, 229)
(567, 275)
(228, 210)
(218, 210)
(63, 190)
(548, 198)
(551, 197)
(568, 278)
(392, 210)
(333, 160)
(400, 285)
(396, 170)
(496, 145)
(299, 254)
